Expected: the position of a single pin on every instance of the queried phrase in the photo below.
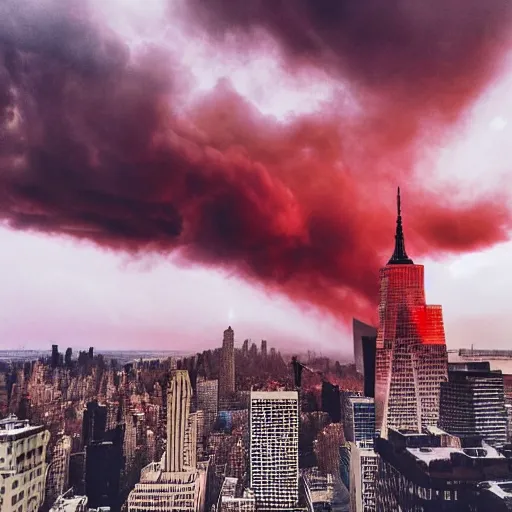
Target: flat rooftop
(428, 454)
(274, 395)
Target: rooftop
(274, 395)
(71, 504)
(14, 427)
(502, 490)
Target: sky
(308, 143)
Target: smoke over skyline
(102, 141)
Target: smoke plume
(95, 144)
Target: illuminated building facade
(411, 357)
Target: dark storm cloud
(92, 147)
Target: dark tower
(55, 356)
(399, 255)
(68, 356)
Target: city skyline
(456, 223)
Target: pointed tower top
(399, 255)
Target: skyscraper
(274, 449)
(178, 481)
(359, 421)
(473, 402)
(178, 411)
(411, 357)
(227, 366)
(360, 330)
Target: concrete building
(69, 503)
(22, 465)
(57, 479)
(207, 401)
(359, 421)
(435, 471)
(233, 499)
(318, 489)
(473, 402)
(274, 449)
(227, 366)
(177, 482)
(411, 357)
(363, 473)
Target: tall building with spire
(411, 357)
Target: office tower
(363, 473)
(68, 357)
(57, 482)
(331, 401)
(227, 366)
(91, 352)
(178, 481)
(359, 421)
(22, 465)
(274, 449)
(411, 357)
(245, 348)
(473, 402)
(264, 348)
(369, 353)
(94, 423)
(233, 499)
(178, 411)
(360, 330)
(103, 456)
(207, 401)
(55, 356)
(435, 471)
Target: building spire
(399, 255)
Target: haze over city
(179, 176)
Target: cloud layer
(96, 144)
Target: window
(15, 484)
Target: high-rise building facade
(57, 480)
(178, 413)
(178, 481)
(473, 403)
(274, 449)
(207, 401)
(22, 465)
(227, 366)
(363, 473)
(359, 421)
(411, 357)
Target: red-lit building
(411, 357)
